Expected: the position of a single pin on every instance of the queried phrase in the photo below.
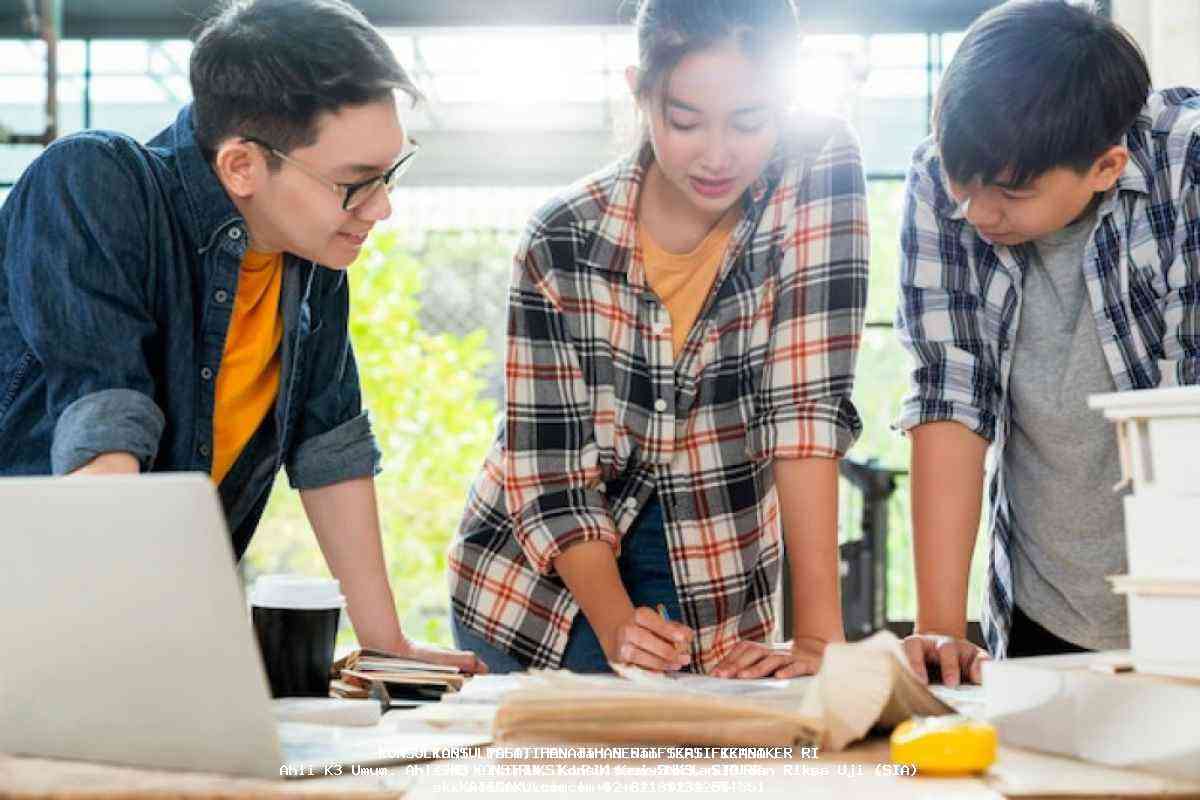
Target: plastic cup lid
(296, 592)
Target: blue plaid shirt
(960, 301)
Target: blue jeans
(645, 569)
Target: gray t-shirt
(1061, 461)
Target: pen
(662, 612)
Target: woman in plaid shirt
(683, 327)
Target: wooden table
(860, 772)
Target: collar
(209, 211)
(618, 224)
(1138, 169)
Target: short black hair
(268, 69)
(1035, 85)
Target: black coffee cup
(296, 621)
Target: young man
(183, 305)
(1051, 250)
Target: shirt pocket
(721, 397)
(952, 260)
(1147, 277)
(1144, 292)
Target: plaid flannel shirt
(600, 413)
(960, 301)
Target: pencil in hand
(662, 612)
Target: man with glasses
(354, 195)
(183, 305)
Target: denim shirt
(119, 265)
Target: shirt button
(205, 450)
(631, 503)
(206, 373)
(221, 296)
(660, 405)
(235, 232)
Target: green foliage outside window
(433, 424)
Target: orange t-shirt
(683, 280)
(248, 381)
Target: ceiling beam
(151, 19)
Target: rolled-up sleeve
(551, 461)
(79, 283)
(803, 407)
(110, 420)
(334, 441)
(941, 316)
(345, 452)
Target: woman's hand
(466, 661)
(758, 660)
(646, 640)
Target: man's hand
(345, 518)
(758, 660)
(957, 659)
(465, 661)
(947, 495)
(645, 639)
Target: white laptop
(126, 638)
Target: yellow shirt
(248, 380)
(683, 280)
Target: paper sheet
(485, 689)
(326, 711)
(968, 700)
(706, 684)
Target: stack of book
(391, 679)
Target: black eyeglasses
(354, 195)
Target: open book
(860, 686)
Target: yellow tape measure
(949, 745)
